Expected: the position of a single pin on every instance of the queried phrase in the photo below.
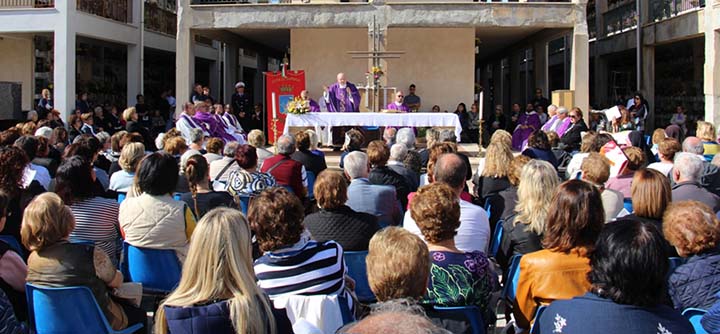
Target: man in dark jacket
(573, 136)
(240, 101)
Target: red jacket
(286, 171)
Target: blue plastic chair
(244, 204)
(497, 239)
(357, 269)
(709, 157)
(511, 283)
(471, 312)
(535, 328)
(648, 141)
(694, 315)
(310, 183)
(627, 203)
(67, 310)
(13, 243)
(158, 270)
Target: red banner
(279, 90)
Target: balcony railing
(160, 20)
(663, 9)
(231, 2)
(6, 4)
(620, 19)
(118, 10)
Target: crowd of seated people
(265, 240)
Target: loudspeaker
(10, 100)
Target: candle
(274, 106)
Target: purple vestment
(314, 106)
(400, 108)
(563, 126)
(549, 124)
(213, 126)
(532, 121)
(343, 99)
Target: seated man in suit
(378, 200)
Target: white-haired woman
(217, 292)
(523, 231)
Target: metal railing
(5, 4)
(663, 9)
(620, 18)
(160, 20)
(118, 10)
(229, 2)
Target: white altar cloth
(331, 119)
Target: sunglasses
(573, 116)
(400, 96)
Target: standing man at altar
(399, 103)
(412, 100)
(342, 96)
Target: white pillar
(712, 63)
(65, 59)
(580, 67)
(184, 55)
(135, 56)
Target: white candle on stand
(274, 106)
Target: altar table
(324, 121)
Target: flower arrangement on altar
(376, 72)
(298, 106)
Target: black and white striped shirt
(96, 219)
(306, 268)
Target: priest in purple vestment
(399, 103)
(208, 121)
(312, 105)
(342, 96)
(528, 122)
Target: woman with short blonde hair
(128, 114)
(217, 291)
(130, 156)
(394, 277)
(54, 261)
(706, 132)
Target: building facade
(440, 44)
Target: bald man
(342, 96)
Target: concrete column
(134, 73)
(262, 66)
(580, 67)
(65, 59)
(184, 55)
(230, 77)
(712, 63)
(648, 84)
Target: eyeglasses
(400, 96)
(573, 116)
